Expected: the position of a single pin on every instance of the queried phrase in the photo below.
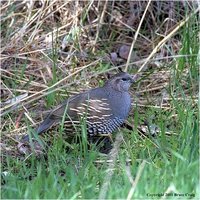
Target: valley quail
(104, 108)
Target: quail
(104, 108)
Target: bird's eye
(124, 79)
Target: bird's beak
(134, 78)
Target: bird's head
(121, 81)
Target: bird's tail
(45, 125)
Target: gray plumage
(104, 108)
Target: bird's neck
(113, 91)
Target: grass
(146, 167)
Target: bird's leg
(109, 135)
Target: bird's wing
(94, 107)
(56, 114)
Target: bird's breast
(120, 104)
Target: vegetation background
(53, 49)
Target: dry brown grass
(65, 47)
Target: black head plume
(120, 69)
